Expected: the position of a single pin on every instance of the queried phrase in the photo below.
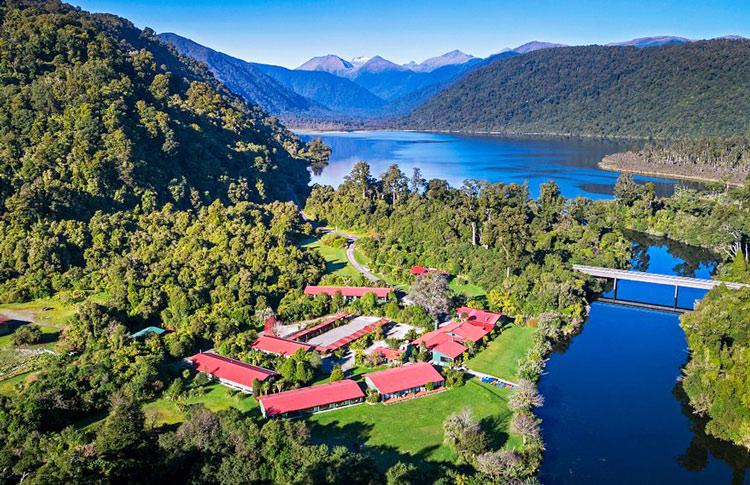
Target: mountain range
(370, 91)
(677, 89)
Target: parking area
(338, 333)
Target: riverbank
(634, 163)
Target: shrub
(27, 335)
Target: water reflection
(571, 162)
(703, 447)
(614, 412)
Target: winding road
(349, 248)
(350, 256)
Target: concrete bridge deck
(676, 281)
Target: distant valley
(634, 88)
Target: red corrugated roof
(405, 377)
(417, 270)
(279, 345)
(328, 321)
(310, 397)
(450, 348)
(435, 336)
(348, 291)
(478, 316)
(467, 331)
(269, 325)
(230, 369)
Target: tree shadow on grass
(333, 266)
(355, 436)
(46, 338)
(494, 427)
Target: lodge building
(310, 400)
(409, 380)
(348, 292)
(231, 372)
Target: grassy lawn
(462, 287)
(49, 337)
(56, 310)
(8, 386)
(500, 357)
(214, 397)
(16, 365)
(413, 430)
(336, 260)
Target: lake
(572, 163)
(613, 411)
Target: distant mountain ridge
(329, 63)
(447, 59)
(242, 77)
(696, 88)
(535, 45)
(281, 91)
(652, 41)
(334, 92)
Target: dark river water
(614, 411)
(571, 163)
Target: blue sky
(287, 33)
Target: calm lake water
(613, 411)
(571, 163)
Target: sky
(287, 33)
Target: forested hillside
(698, 88)
(292, 94)
(242, 77)
(137, 187)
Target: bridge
(660, 279)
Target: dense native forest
(693, 89)
(130, 172)
(495, 235)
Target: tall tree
(431, 292)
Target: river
(572, 163)
(613, 412)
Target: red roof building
(407, 379)
(422, 270)
(230, 372)
(271, 344)
(475, 316)
(449, 341)
(458, 331)
(347, 291)
(269, 326)
(312, 399)
(344, 341)
(4, 325)
(450, 348)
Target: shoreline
(611, 166)
(478, 132)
